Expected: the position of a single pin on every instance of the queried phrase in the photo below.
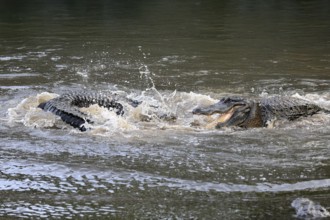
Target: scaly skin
(247, 113)
(67, 106)
(286, 107)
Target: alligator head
(234, 111)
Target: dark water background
(180, 54)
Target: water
(173, 56)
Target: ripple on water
(8, 58)
(58, 210)
(153, 156)
(16, 75)
(62, 178)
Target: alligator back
(286, 108)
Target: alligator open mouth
(231, 112)
(224, 117)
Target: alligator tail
(85, 99)
(72, 119)
(67, 107)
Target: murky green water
(174, 55)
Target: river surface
(173, 56)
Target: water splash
(158, 110)
(307, 209)
(26, 112)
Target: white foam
(28, 113)
(323, 101)
(155, 112)
(8, 58)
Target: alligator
(239, 112)
(67, 106)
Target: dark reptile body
(67, 106)
(281, 107)
(254, 113)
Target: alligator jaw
(226, 116)
(212, 109)
(233, 112)
(223, 106)
(236, 117)
(222, 119)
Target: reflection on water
(173, 56)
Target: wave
(62, 178)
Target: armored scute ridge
(286, 107)
(239, 112)
(67, 106)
